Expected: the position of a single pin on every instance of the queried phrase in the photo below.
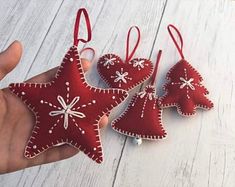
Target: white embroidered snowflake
(187, 83)
(148, 95)
(67, 110)
(139, 64)
(121, 77)
(108, 61)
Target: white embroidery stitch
(121, 77)
(186, 83)
(66, 110)
(149, 94)
(139, 64)
(108, 61)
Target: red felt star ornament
(143, 117)
(124, 74)
(67, 109)
(184, 89)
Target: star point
(67, 109)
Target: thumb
(10, 58)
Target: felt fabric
(184, 89)
(118, 74)
(143, 116)
(125, 74)
(67, 109)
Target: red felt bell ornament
(184, 89)
(143, 117)
(125, 74)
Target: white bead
(138, 141)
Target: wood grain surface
(198, 151)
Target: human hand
(17, 121)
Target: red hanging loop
(129, 57)
(90, 49)
(76, 27)
(179, 47)
(156, 67)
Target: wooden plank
(111, 22)
(29, 22)
(199, 151)
(10, 14)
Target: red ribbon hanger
(77, 24)
(129, 56)
(178, 46)
(156, 68)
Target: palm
(16, 124)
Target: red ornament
(143, 116)
(184, 89)
(124, 74)
(67, 109)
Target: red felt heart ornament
(124, 74)
(184, 89)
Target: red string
(129, 57)
(76, 27)
(86, 49)
(179, 48)
(156, 68)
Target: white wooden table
(199, 151)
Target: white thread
(108, 61)
(121, 77)
(67, 110)
(138, 63)
(97, 158)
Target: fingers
(52, 155)
(10, 58)
(103, 121)
(86, 64)
(49, 75)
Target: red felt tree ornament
(67, 110)
(184, 89)
(143, 117)
(125, 74)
